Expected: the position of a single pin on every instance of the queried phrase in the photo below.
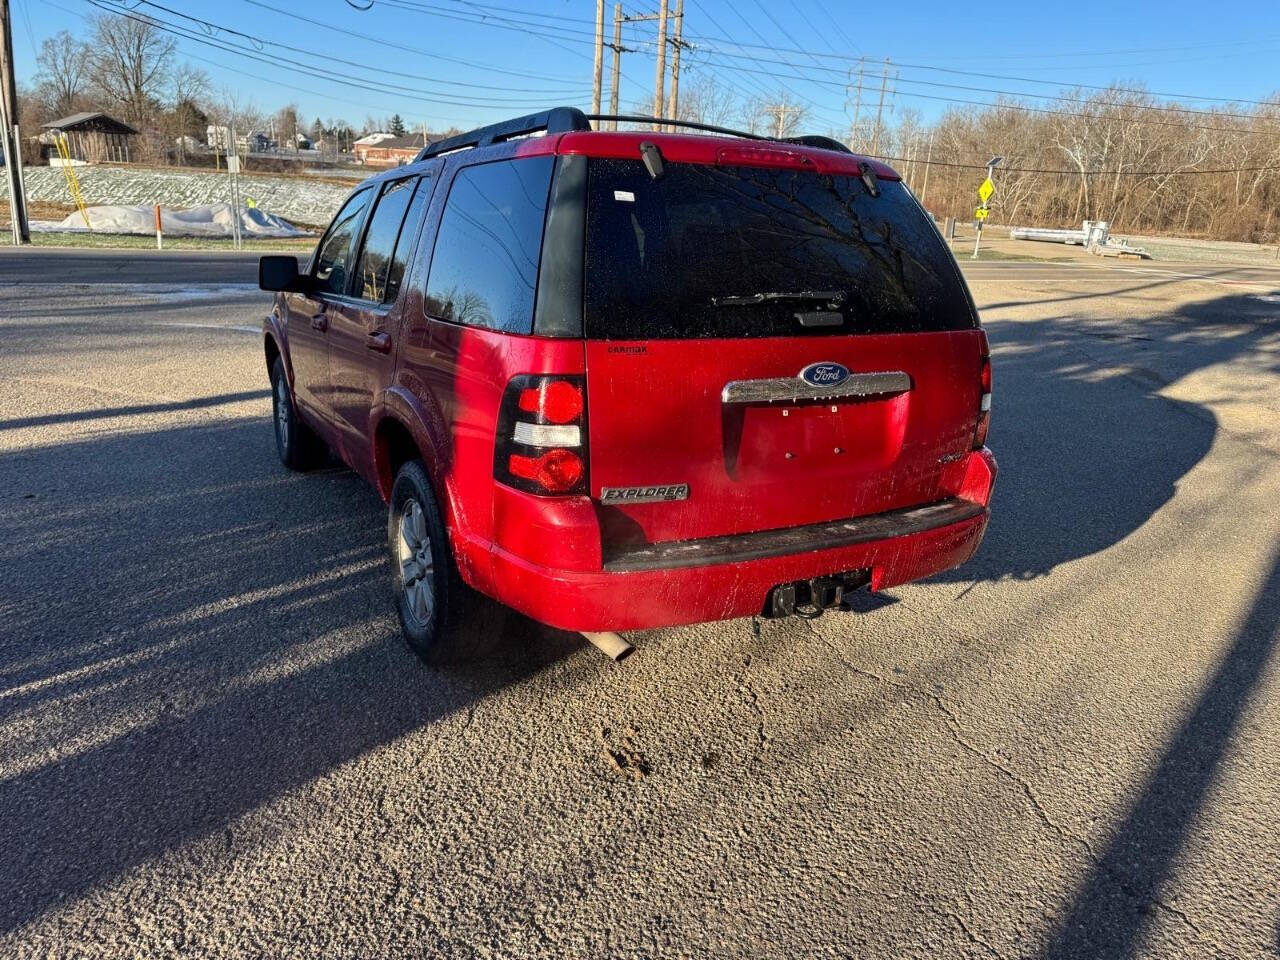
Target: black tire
(457, 622)
(297, 444)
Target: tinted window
(381, 261)
(485, 266)
(663, 256)
(333, 259)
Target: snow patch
(214, 220)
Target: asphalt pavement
(214, 743)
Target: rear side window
(333, 257)
(710, 251)
(382, 259)
(485, 266)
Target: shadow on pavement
(103, 413)
(1088, 448)
(1089, 451)
(1111, 910)
(190, 633)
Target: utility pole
(617, 62)
(662, 63)
(673, 106)
(9, 141)
(857, 108)
(928, 159)
(781, 111)
(597, 75)
(875, 139)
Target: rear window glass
(484, 270)
(710, 251)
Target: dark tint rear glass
(485, 267)
(662, 255)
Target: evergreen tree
(397, 125)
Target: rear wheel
(297, 444)
(442, 618)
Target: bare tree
(64, 72)
(775, 117)
(130, 62)
(705, 100)
(189, 87)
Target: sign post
(985, 191)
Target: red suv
(619, 380)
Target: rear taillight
(984, 403)
(542, 435)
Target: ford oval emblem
(825, 374)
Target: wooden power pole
(597, 75)
(673, 106)
(661, 74)
(617, 62)
(8, 137)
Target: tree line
(130, 69)
(1119, 154)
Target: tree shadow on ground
(190, 633)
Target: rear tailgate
(701, 419)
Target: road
(214, 743)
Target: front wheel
(297, 445)
(440, 616)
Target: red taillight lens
(556, 471)
(984, 407)
(542, 435)
(558, 401)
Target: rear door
(362, 326)
(784, 344)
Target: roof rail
(710, 128)
(808, 140)
(566, 119)
(555, 120)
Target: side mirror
(280, 273)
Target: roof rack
(710, 128)
(808, 140)
(566, 119)
(555, 120)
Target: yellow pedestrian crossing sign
(981, 213)
(986, 190)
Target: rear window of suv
(704, 251)
(484, 270)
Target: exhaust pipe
(610, 644)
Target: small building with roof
(92, 137)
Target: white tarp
(209, 221)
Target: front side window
(382, 258)
(484, 269)
(333, 258)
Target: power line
(258, 43)
(1087, 173)
(361, 83)
(421, 51)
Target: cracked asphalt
(214, 743)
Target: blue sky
(462, 62)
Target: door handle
(381, 342)
(320, 322)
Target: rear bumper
(699, 581)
